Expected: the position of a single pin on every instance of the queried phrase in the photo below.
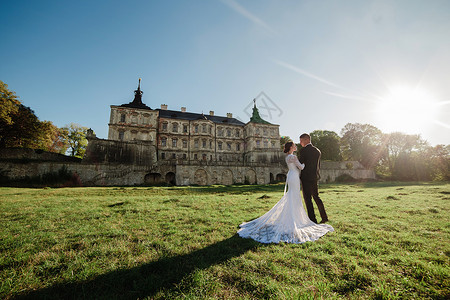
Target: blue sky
(322, 63)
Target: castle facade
(206, 149)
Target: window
(229, 146)
(164, 126)
(265, 131)
(174, 156)
(163, 155)
(204, 144)
(220, 133)
(163, 142)
(196, 143)
(122, 118)
(257, 131)
(134, 119)
(258, 143)
(146, 118)
(175, 127)
(185, 128)
(204, 156)
(210, 157)
(273, 144)
(184, 143)
(210, 129)
(210, 144)
(184, 156)
(196, 128)
(238, 147)
(204, 128)
(228, 132)
(237, 132)
(195, 156)
(174, 143)
(121, 134)
(266, 144)
(219, 145)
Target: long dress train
(287, 221)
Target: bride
(287, 221)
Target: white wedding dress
(287, 221)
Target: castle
(148, 146)
(185, 148)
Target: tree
(329, 144)
(53, 139)
(439, 162)
(18, 123)
(20, 127)
(401, 152)
(9, 105)
(76, 139)
(23, 129)
(283, 140)
(362, 142)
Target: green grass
(391, 241)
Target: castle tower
(262, 139)
(133, 121)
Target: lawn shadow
(146, 280)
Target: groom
(310, 156)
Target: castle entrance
(152, 178)
(170, 178)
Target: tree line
(394, 156)
(20, 127)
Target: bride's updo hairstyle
(288, 146)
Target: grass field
(391, 241)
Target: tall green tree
(329, 144)
(403, 151)
(439, 162)
(77, 141)
(362, 142)
(23, 129)
(9, 105)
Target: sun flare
(408, 110)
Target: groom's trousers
(310, 189)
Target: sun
(405, 109)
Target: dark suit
(310, 156)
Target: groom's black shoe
(323, 221)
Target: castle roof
(173, 114)
(256, 118)
(137, 101)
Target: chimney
(163, 106)
(183, 109)
(229, 115)
(211, 113)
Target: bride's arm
(294, 159)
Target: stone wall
(140, 153)
(208, 174)
(102, 173)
